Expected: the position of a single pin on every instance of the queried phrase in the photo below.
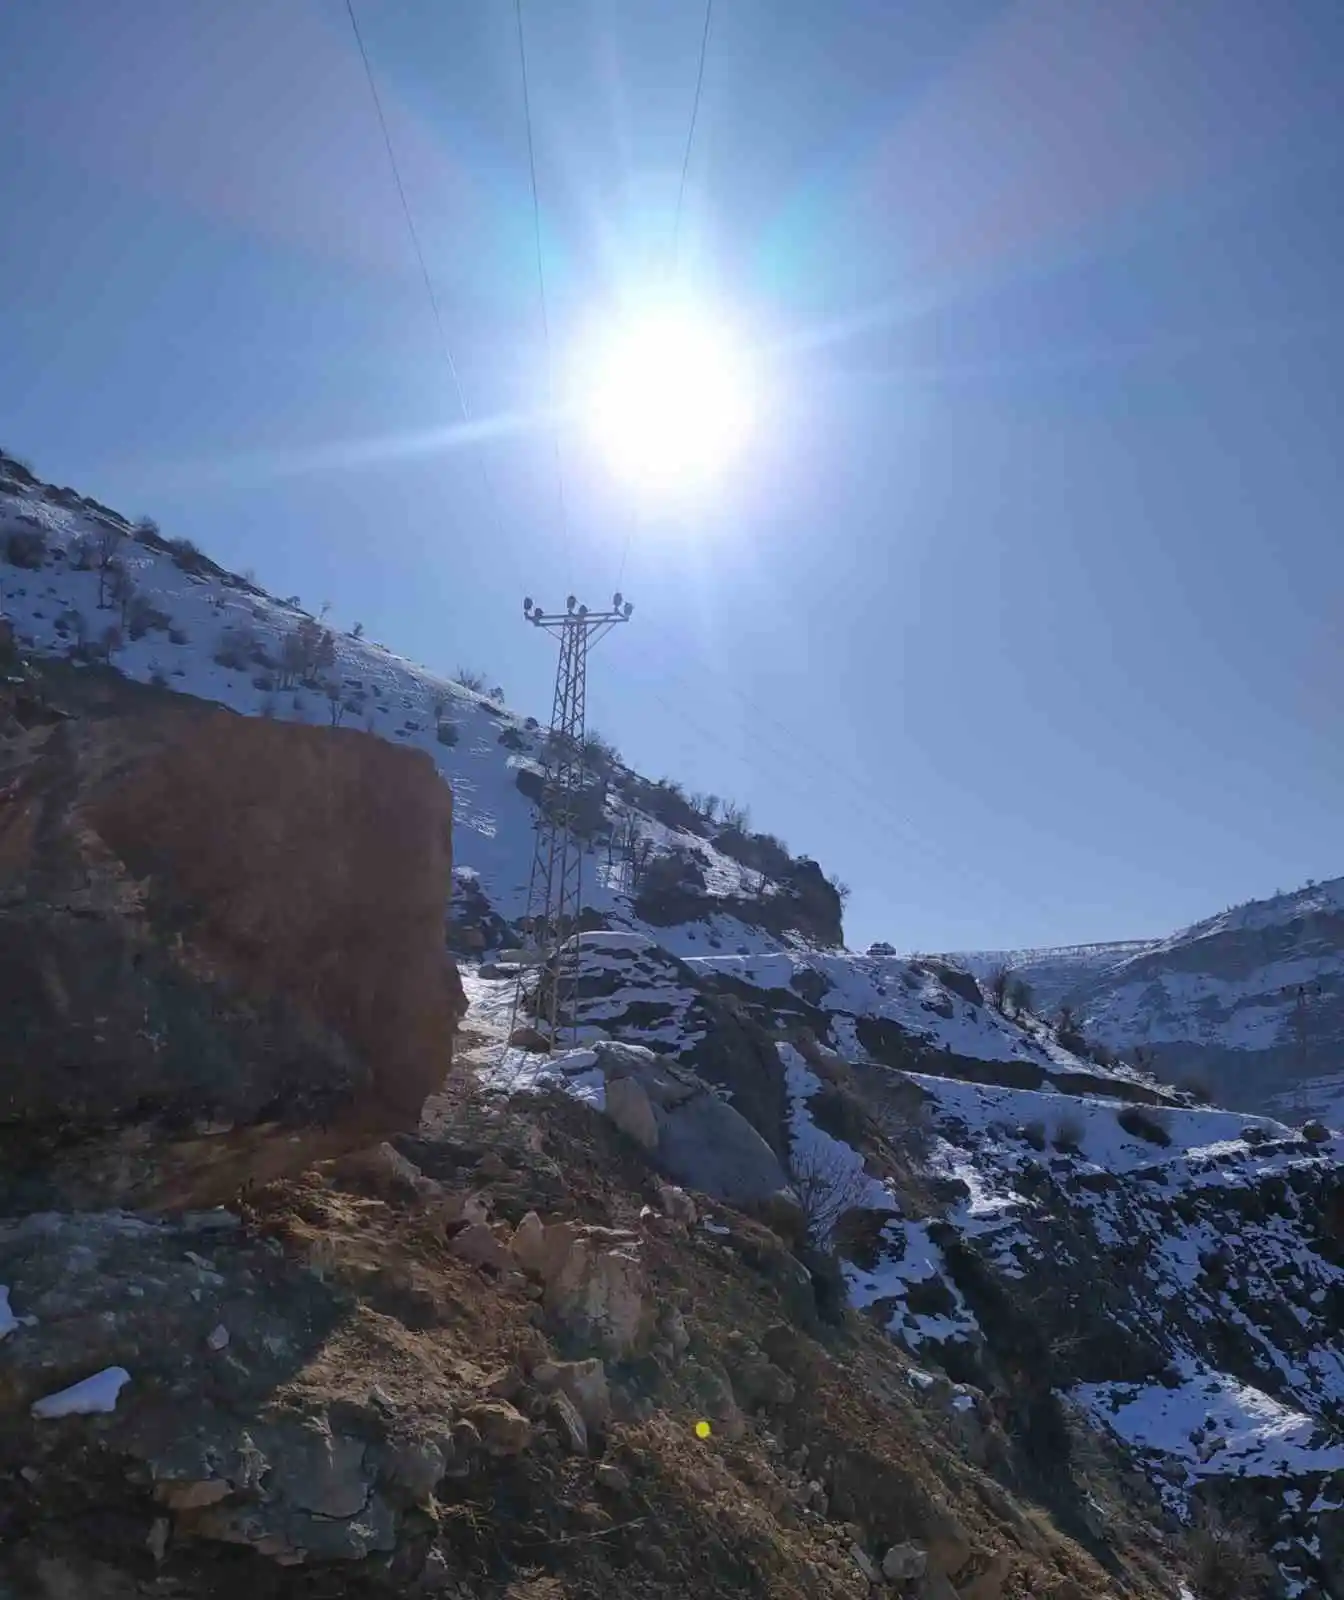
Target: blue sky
(1022, 612)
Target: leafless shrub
(235, 647)
(1000, 981)
(1068, 1133)
(26, 547)
(306, 652)
(1145, 1122)
(1226, 1562)
(826, 1186)
(186, 554)
(335, 704)
(107, 543)
(121, 588)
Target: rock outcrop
(221, 952)
(691, 1132)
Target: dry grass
(713, 1518)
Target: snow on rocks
(1212, 1425)
(8, 1321)
(858, 996)
(90, 1397)
(1091, 1124)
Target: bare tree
(305, 653)
(826, 1184)
(236, 647)
(1020, 996)
(599, 754)
(82, 553)
(109, 642)
(735, 816)
(121, 587)
(641, 857)
(106, 544)
(335, 704)
(1000, 982)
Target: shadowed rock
(221, 952)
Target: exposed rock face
(628, 1107)
(694, 1135)
(214, 932)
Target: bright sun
(667, 399)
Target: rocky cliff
(221, 949)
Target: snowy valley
(1247, 1005)
(1117, 1303)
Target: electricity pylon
(555, 890)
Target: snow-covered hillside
(1053, 972)
(1075, 1245)
(1249, 1003)
(1074, 1250)
(191, 627)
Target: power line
(690, 135)
(406, 211)
(541, 273)
(681, 198)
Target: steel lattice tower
(555, 889)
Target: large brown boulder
(221, 951)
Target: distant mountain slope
(1249, 1002)
(1053, 972)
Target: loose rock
(503, 1431)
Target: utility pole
(555, 889)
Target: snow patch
(1213, 1424)
(84, 1399)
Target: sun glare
(667, 399)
